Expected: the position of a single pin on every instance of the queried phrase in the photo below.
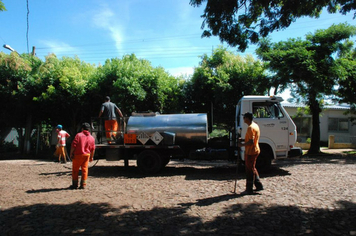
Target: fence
(332, 144)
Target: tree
(17, 87)
(2, 6)
(310, 67)
(240, 22)
(137, 86)
(220, 81)
(63, 91)
(347, 74)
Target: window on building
(303, 126)
(338, 124)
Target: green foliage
(310, 66)
(218, 133)
(63, 85)
(308, 140)
(17, 85)
(302, 111)
(347, 80)
(137, 86)
(220, 81)
(240, 23)
(17, 75)
(2, 6)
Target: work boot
(74, 184)
(258, 184)
(82, 184)
(248, 190)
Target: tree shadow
(323, 158)
(244, 219)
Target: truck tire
(264, 160)
(149, 162)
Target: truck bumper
(295, 152)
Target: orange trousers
(80, 161)
(61, 153)
(111, 128)
(251, 171)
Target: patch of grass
(350, 152)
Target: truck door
(273, 125)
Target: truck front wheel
(149, 162)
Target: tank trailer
(154, 139)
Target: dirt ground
(302, 196)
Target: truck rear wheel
(264, 160)
(149, 162)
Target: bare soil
(312, 195)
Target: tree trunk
(28, 131)
(315, 138)
(20, 139)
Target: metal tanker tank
(187, 129)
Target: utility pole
(33, 51)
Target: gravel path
(304, 196)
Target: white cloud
(106, 19)
(59, 48)
(178, 71)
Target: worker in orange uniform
(252, 150)
(111, 126)
(82, 152)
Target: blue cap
(59, 126)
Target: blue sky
(165, 32)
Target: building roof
(336, 107)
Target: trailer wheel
(149, 162)
(264, 160)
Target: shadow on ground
(218, 173)
(102, 219)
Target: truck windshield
(267, 110)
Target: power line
(91, 52)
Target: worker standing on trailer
(108, 112)
(82, 152)
(61, 143)
(252, 150)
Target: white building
(333, 121)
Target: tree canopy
(241, 22)
(69, 91)
(138, 86)
(310, 67)
(2, 6)
(347, 85)
(220, 81)
(17, 85)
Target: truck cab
(278, 131)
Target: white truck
(154, 139)
(278, 131)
